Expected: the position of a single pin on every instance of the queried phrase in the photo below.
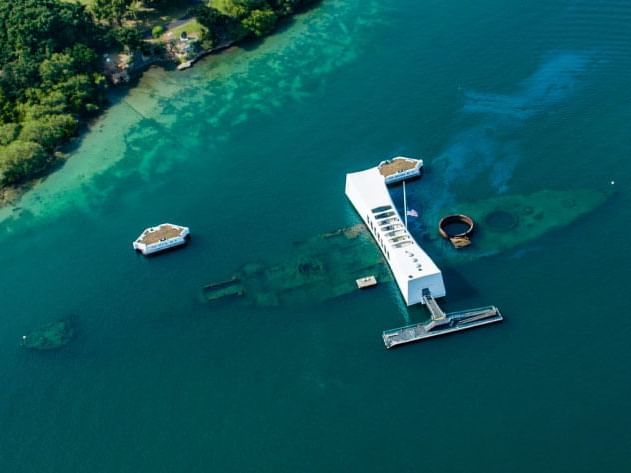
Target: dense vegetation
(51, 74)
(48, 78)
(233, 20)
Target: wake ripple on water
(601, 27)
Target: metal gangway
(441, 323)
(432, 306)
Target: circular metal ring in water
(445, 222)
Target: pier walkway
(432, 305)
(441, 324)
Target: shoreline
(265, 74)
(11, 195)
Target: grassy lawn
(192, 28)
(147, 17)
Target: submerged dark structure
(327, 266)
(505, 222)
(49, 336)
(317, 269)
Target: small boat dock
(441, 323)
(160, 238)
(400, 168)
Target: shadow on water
(457, 283)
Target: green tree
(49, 131)
(8, 133)
(239, 8)
(7, 109)
(219, 26)
(57, 68)
(231, 8)
(129, 38)
(260, 22)
(19, 75)
(157, 31)
(21, 159)
(79, 90)
(33, 29)
(112, 11)
(48, 77)
(42, 103)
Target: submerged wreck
(327, 265)
(507, 222)
(418, 277)
(49, 336)
(319, 268)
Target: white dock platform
(453, 322)
(161, 238)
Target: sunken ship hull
(327, 265)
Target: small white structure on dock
(160, 238)
(368, 281)
(413, 270)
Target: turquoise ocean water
(250, 149)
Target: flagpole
(405, 206)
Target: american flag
(412, 213)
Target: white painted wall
(412, 268)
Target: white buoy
(613, 182)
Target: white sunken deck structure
(413, 270)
